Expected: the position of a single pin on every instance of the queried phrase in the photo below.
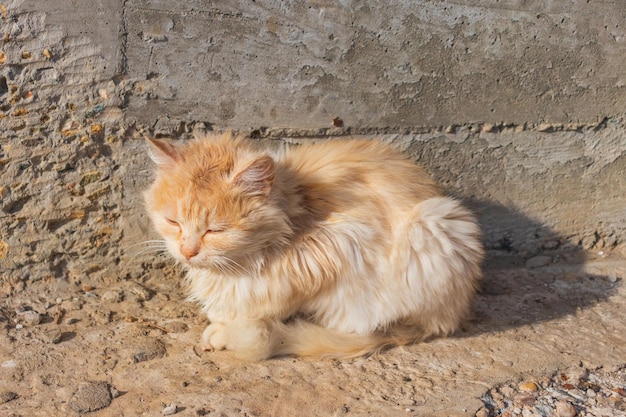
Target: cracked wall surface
(516, 108)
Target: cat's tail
(262, 339)
(303, 338)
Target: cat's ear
(258, 177)
(163, 153)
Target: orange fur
(349, 236)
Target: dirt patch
(127, 348)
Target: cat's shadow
(531, 273)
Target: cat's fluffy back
(366, 175)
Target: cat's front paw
(214, 337)
(248, 339)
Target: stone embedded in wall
(57, 147)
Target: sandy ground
(127, 349)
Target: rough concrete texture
(515, 107)
(376, 64)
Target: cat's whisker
(155, 247)
(155, 251)
(147, 242)
(150, 248)
(235, 266)
(150, 244)
(130, 258)
(224, 266)
(221, 266)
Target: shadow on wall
(531, 273)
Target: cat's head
(213, 203)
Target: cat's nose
(189, 253)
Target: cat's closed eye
(172, 222)
(211, 231)
(208, 231)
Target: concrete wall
(377, 64)
(516, 107)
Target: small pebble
(544, 127)
(72, 305)
(6, 396)
(488, 127)
(170, 409)
(31, 317)
(575, 374)
(524, 399)
(113, 296)
(102, 316)
(54, 336)
(565, 409)
(141, 293)
(538, 261)
(482, 413)
(9, 364)
(177, 327)
(528, 386)
(21, 309)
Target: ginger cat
(337, 248)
